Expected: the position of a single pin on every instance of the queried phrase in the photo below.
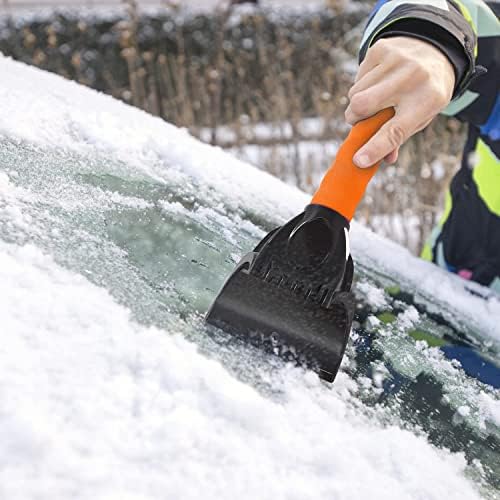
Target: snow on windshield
(77, 121)
(117, 229)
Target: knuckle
(377, 50)
(349, 116)
(381, 44)
(395, 135)
(426, 73)
(359, 103)
(415, 66)
(418, 70)
(364, 64)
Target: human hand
(412, 76)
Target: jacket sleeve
(468, 32)
(447, 25)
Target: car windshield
(117, 231)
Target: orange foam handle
(344, 184)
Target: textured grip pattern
(344, 184)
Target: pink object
(465, 274)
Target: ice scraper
(293, 292)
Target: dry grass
(277, 80)
(189, 97)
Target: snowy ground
(96, 404)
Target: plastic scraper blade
(291, 295)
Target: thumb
(389, 138)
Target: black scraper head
(292, 293)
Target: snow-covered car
(116, 232)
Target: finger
(368, 102)
(366, 67)
(392, 157)
(377, 74)
(399, 129)
(373, 57)
(389, 138)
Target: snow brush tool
(292, 294)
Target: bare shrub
(252, 73)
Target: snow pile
(95, 405)
(373, 295)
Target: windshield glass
(149, 235)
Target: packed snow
(100, 400)
(78, 120)
(94, 406)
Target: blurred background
(265, 80)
